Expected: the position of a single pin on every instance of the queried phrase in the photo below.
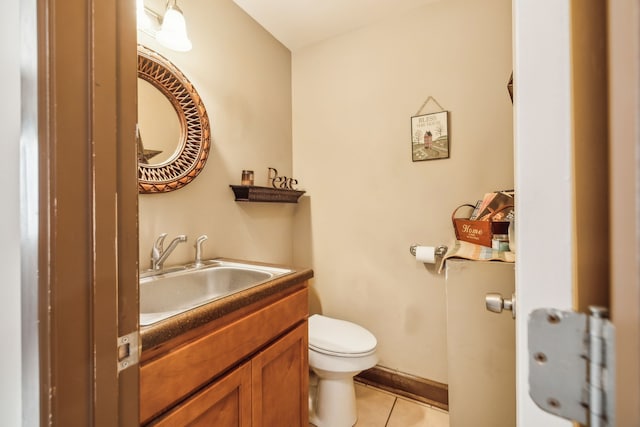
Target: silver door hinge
(572, 365)
(128, 350)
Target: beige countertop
(154, 335)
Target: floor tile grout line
(395, 399)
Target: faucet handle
(156, 250)
(198, 245)
(159, 242)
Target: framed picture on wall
(430, 136)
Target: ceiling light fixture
(142, 19)
(173, 32)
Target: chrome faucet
(160, 255)
(199, 241)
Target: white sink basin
(181, 289)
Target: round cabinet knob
(496, 303)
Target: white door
(542, 176)
(10, 361)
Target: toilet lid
(339, 337)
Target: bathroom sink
(181, 289)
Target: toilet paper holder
(440, 251)
(439, 254)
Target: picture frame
(430, 136)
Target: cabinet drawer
(169, 378)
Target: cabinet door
(225, 403)
(481, 345)
(280, 384)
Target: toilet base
(335, 403)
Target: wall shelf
(252, 193)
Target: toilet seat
(335, 337)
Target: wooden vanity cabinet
(252, 372)
(280, 382)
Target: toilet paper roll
(426, 254)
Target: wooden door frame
(543, 104)
(88, 250)
(624, 143)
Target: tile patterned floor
(378, 408)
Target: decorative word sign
(466, 228)
(281, 181)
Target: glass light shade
(143, 21)
(173, 33)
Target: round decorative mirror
(173, 137)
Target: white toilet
(338, 351)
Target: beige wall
(353, 97)
(367, 202)
(244, 78)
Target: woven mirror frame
(195, 133)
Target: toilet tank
(480, 345)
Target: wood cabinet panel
(168, 379)
(225, 403)
(280, 380)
